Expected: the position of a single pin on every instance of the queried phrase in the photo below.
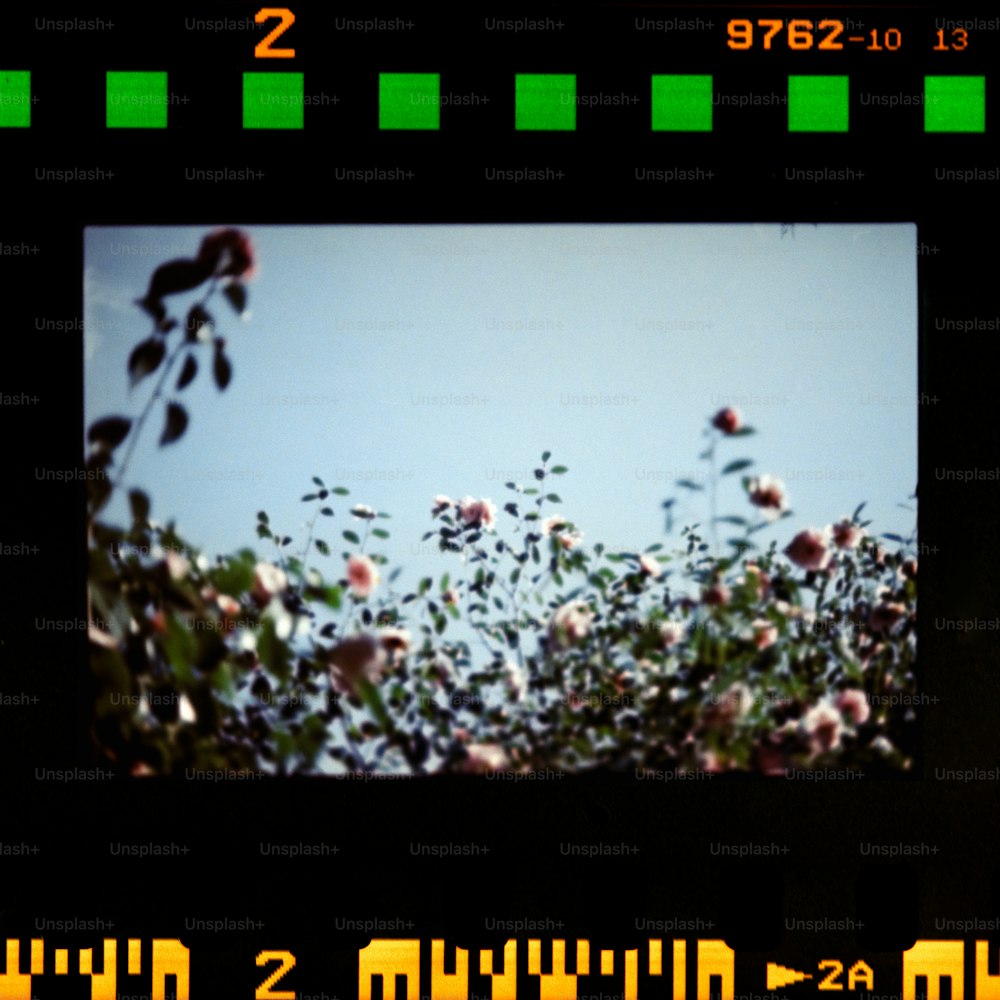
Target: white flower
(516, 679)
(649, 566)
(671, 633)
(395, 640)
(185, 710)
(268, 581)
(177, 565)
(570, 623)
(363, 512)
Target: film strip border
(538, 102)
(702, 969)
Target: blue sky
(406, 361)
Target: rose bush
(533, 650)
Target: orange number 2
(263, 49)
(287, 960)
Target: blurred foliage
(534, 651)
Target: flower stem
(157, 392)
(712, 484)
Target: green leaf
(235, 577)
(380, 533)
(309, 496)
(236, 295)
(322, 546)
(731, 519)
(654, 548)
(175, 423)
(139, 502)
(553, 498)
(271, 651)
(263, 531)
(857, 510)
(145, 359)
(546, 455)
(892, 537)
(340, 491)
(222, 369)
(559, 470)
(737, 465)
(688, 485)
(351, 537)
(199, 323)
(181, 649)
(109, 432)
(326, 511)
(742, 432)
(332, 595)
(445, 580)
(425, 585)
(188, 372)
(262, 516)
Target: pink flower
(268, 580)
(671, 633)
(228, 252)
(885, 615)
(854, 705)
(729, 706)
(649, 566)
(554, 526)
(481, 512)
(362, 575)
(765, 633)
(768, 493)
(717, 595)
(485, 757)
(229, 606)
(846, 535)
(570, 539)
(727, 420)
(824, 725)
(570, 623)
(450, 596)
(356, 659)
(808, 550)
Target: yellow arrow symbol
(779, 976)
